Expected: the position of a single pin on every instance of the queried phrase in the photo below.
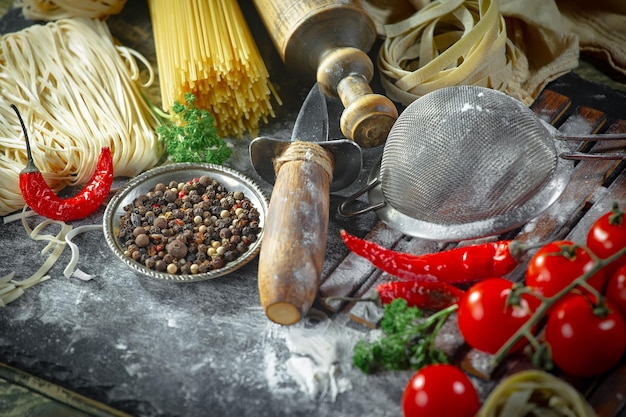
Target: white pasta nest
(61, 9)
(77, 92)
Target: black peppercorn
(218, 262)
(142, 240)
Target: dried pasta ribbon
(448, 43)
(11, 289)
(50, 10)
(306, 151)
(536, 393)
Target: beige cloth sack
(540, 32)
(600, 26)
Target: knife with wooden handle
(294, 237)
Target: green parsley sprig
(408, 341)
(190, 135)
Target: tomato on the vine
(486, 319)
(556, 264)
(616, 290)
(607, 235)
(583, 343)
(440, 390)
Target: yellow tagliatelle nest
(449, 43)
(535, 393)
(77, 92)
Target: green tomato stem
(441, 316)
(441, 313)
(531, 339)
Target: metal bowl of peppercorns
(186, 222)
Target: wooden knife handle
(294, 238)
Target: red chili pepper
(425, 295)
(463, 264)
(41, 199)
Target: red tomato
(440, 391)
(616, 290)
(485, 319)
(553, 267)
(584, 344)
(607, 236)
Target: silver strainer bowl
(465, 162)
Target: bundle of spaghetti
(205, 47)
(49, 10)
(77, 92)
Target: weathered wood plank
(608, 395)
(550, 106)
(586, 178)
(613, 189)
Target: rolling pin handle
(345, 73)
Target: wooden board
(26, 395)
(593, 186)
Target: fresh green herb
(408, 341)
(190, 135)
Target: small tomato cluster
(577, 291)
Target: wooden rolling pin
(326, 41)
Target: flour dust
(311, 358)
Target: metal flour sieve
(465, 162)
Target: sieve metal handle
(592, 137)
(599, 156)
(342, 209)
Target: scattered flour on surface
(576, 124)
(559, 212)
(311, 358)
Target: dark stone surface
(205, 349)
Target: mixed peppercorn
(190, 227)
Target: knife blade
(294, 237)
(311, 124)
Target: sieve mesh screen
(465, 154)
